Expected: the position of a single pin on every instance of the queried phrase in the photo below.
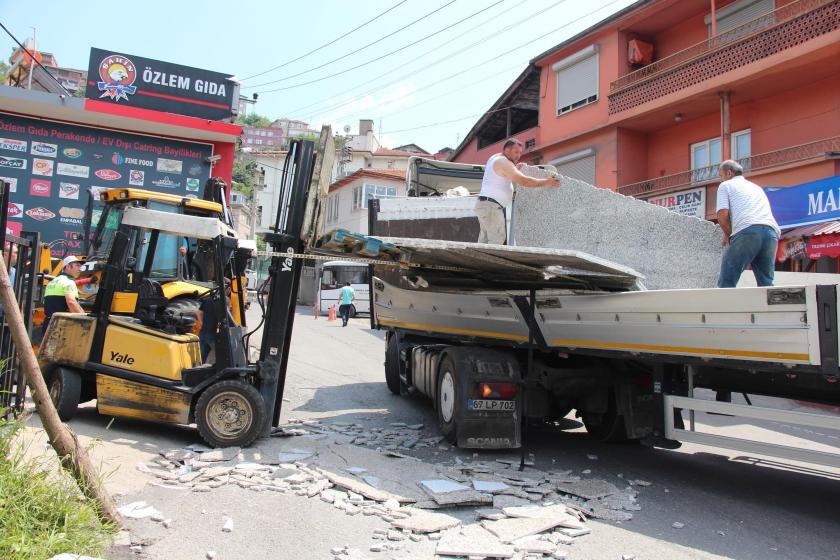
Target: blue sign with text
(808, 203)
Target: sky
(423, 70)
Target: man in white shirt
(750, 232)
(501, 171)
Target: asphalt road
(733, 506)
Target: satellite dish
(346, 129)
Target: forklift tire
(448, 400)
(65, 391)
(230, 413)
(606, 427)
(392, 365)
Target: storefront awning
(810, 203)
(814, 241)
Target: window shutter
(576, 82)
(739, 13)
(582, 169)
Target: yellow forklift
(148, 365)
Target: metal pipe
(725, 131)
(714, 22)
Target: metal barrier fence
(21, 257)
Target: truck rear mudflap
(489, 415)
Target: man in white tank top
(500, 173)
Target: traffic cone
(332, 313)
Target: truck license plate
(489, 405)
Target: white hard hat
(69, 259)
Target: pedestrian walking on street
(750, 232)
(347, 295)
(501, 171)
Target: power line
(350, 53)
(395, 6)
(493, 59)
(446, 58)
(390, 53)
(391, 71)
(32, 56)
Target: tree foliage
(253, 120)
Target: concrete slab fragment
(365, 490)
(223, 454)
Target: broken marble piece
(223, 454)
(491, 514)
(426, 522)
(588, 489)
(559, 512)
(535, 546)
(489, 486)
(362, 488)
(574, 533)
(511, 529)
(501, 501)
(650, 240)
(138, 510)
(228, 525)
(467, 497)
(441, 486)
(295, 455)
(473, 542)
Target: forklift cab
(183, 266)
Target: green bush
(42, 512)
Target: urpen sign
(132, 80)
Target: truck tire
(65, 391)
(448, 399)
(392, 365)
(607, 427)
(230, 413)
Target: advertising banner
(687, 203)
(808, 203)
(135, 81)
(52, 166)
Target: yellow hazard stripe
(451, 330)
(604, 345)
(679, 349)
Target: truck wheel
(448, 399)
(65, 392)
(230, 413)
(392, 365)
(609, 426)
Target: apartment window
(259, 141)
(332, 208)
(250, 140)
(358, 199)
(376, 191)
(732, 20)
(706, 155)
(577, 80)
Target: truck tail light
(503, 391)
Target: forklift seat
(154, 310)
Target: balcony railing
(781, 29)
(705, 175)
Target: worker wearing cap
(61, 294)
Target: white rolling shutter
(739, 13)
(579, 165)
(577, 79)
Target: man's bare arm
(506, 168)
(72, 304)
(725, 221)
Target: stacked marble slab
(672, 251)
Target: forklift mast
(299, 199)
